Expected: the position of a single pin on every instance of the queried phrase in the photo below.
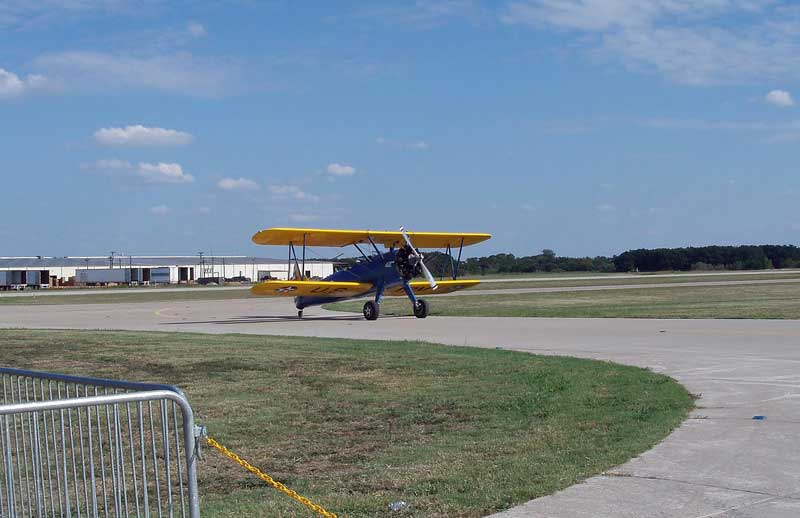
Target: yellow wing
(335, 289)
(329, 237)
(423, 288)
(310, 288)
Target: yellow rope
(266, 478)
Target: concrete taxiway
(720, 462)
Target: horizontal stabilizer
(331, 289)
(423, 288)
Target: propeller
(420, 257)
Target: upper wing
(312, 288)
(423, 288)
(329, 237)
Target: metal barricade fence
(86, 447)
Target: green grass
(545, 275)
(630, 280)
(744, 301)
(168, 294)
(532, 275)
(354, 425)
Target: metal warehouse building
(43, 272)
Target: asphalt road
(719, 463)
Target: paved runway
(721, 462)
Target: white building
(55, 271)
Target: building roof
(145, 261)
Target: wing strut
(458, 262)
(374, 246)
(452, 262)
(293, 253)
(362, 252)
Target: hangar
(45, 272)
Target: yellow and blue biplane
(388, 272)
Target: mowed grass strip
(632, 280)
(355, 425)
(777, 301)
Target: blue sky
(584, 126)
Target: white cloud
(179, 73)
(341, 169)
(27, 13)
(783, 131)
(163, 173)
(196, 29)
(690, 42)
(417, 144)
(605, 207)
(238, 184)
(724, 125)
(139, 135)
(527, 207)
(302, 217)
(160, 210)
(566, 129)
(785, 137)
(151, 173)
(780, 98)
(421, 14)
(291, 192)
(108, 164)
(12, 85)
(202, 210)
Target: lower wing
(423, 288)
(331, 289)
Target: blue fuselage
(379, 271)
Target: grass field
(545, 275)
(543, 282)
(746, 301)
(133, 295)
(354, 425)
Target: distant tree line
(745, 257)
(441, 266)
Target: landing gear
(371, 310)
(299, 313)
(420, 308)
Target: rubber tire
(371, 310)
(421, 308)
(299, 313)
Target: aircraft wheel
(421, 308)
(371, 310)
(299, 313)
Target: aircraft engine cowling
(407, 263)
